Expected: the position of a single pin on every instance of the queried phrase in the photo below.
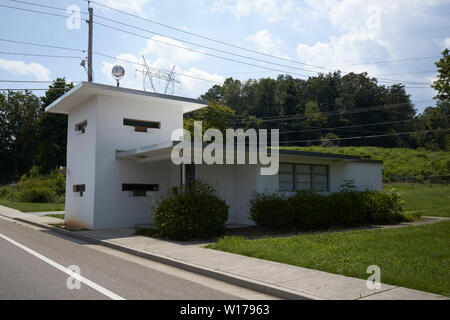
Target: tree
(53, 129)
(442, 84)
(19, 114)
(214, 116)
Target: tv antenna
(153, 74)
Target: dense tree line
(29, 136)
(332, 109)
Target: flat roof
(149, 151)
(84, 90)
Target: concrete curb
(212, 273)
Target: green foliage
(271, 210)
(311, 211)
(191, 213)
(385, 208)
(213, 116)
(415, 257)
(396, 161)
(442, 84)
(314, 211)
(349, 209)
(34, 187)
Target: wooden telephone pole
(91, 25)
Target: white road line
(82, 279)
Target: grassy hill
(396, 161)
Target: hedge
(194, 212)
(314, 211)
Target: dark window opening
(141, 125)
(79, 188)
(81, 127)
(139, 190)
(303, 177)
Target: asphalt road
(34, 262)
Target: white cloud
(38, 71)
(269, 10)
(173, 53)
(345, 50)
(132, 6)
(267, 43)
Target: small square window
(79, 188)
(81, 127)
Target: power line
(43, 6)
(142, 65)
(40, 12)
(203, 46)
(365, 137)
(353, 126)
(200, 52)
(226, 58)
(386, 61)
(42, 45)
(236, 46)
(40, 55)
(31, 89)
(39, 81)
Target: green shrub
(314, 211)
(310, 211)
(385, 208)
(5, 192)
(34, 187)
(34, 191)
(192, 213)
(271, 211)
(349, 208)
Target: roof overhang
(162, 151)
(85, 90)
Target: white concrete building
(118, 160)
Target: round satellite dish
(118, 72)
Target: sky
(393, 40)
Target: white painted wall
(235, 184)
(81, 165)
(104, 174)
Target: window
(81, 127)
(302, 177)
(79, 188)
(139, 190)
(141, 125)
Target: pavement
(34, 265)
(272, 278)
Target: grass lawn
(428, 201)
(416, 257)
(32, 207)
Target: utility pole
(91, 24)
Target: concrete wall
(81, 165)
(235, 184)
(104, 204)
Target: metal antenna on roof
(154, 73)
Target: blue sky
(327, 35)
